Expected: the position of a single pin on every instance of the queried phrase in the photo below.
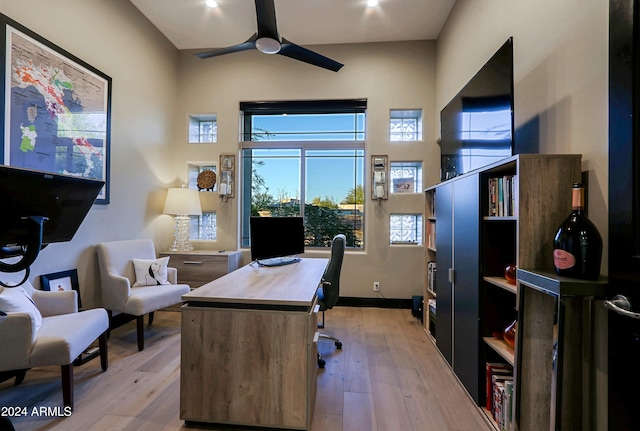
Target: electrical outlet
(376, 286)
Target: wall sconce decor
(379, 177)
(182, 203)
(226, 187)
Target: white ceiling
(190, 24)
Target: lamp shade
(182, 202)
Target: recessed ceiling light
(211, 3)
(372, 3)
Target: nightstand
(199, 267)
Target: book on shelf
(502, 196)
(431, 275)
(492, 369)
(497, 401)
(431, 234)
(432, 205)
(432, 306)
(508, 406)
(496, 408)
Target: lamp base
(181, 234)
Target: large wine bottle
(578, 245)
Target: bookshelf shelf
(502, 283)
(490, 418)
(500, 218)
(500, 347)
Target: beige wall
(116, 39)
(560, 72)
(389, 75)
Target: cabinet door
(466, 296)
(624, 205)
(444, 311)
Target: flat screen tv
(276, 237)
(39, 208)
(476, 126)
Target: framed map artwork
(57, 108)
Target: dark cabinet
(466, 279)
(444, 260)
(623, 376)
(457, 259)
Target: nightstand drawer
(200, 267)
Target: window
(405, 125)
(202, 227)
(405, 229)
(203, 129)
(406, 177)
(305, 158)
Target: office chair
(329, 289)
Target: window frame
(194, 128)
(306, 107)
(402, 115)
(416, 165)
(303, 147)
(419, 229)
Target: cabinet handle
(192, 262)
(621, 305)
(316, 337)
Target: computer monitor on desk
(276, 240)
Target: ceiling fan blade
(297, 52)
(266, 16)
(249, 44)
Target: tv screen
(63, 200)
(476, 126)
(276, 237)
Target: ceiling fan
(268, 41)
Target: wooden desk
(249, 347)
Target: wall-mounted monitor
(476, 126)
(39, 208)
(276, 237)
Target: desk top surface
(287, 285)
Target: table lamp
(182, 202)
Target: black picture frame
(57, 108)
(62, 280)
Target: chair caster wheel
(338, 345)
(321, 363)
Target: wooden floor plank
(361, 412)
(357, 376)
(388, 376)
(388, 401)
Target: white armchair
(118, 279)
(42, 328)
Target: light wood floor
(387, 377)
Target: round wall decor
(206, 180)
